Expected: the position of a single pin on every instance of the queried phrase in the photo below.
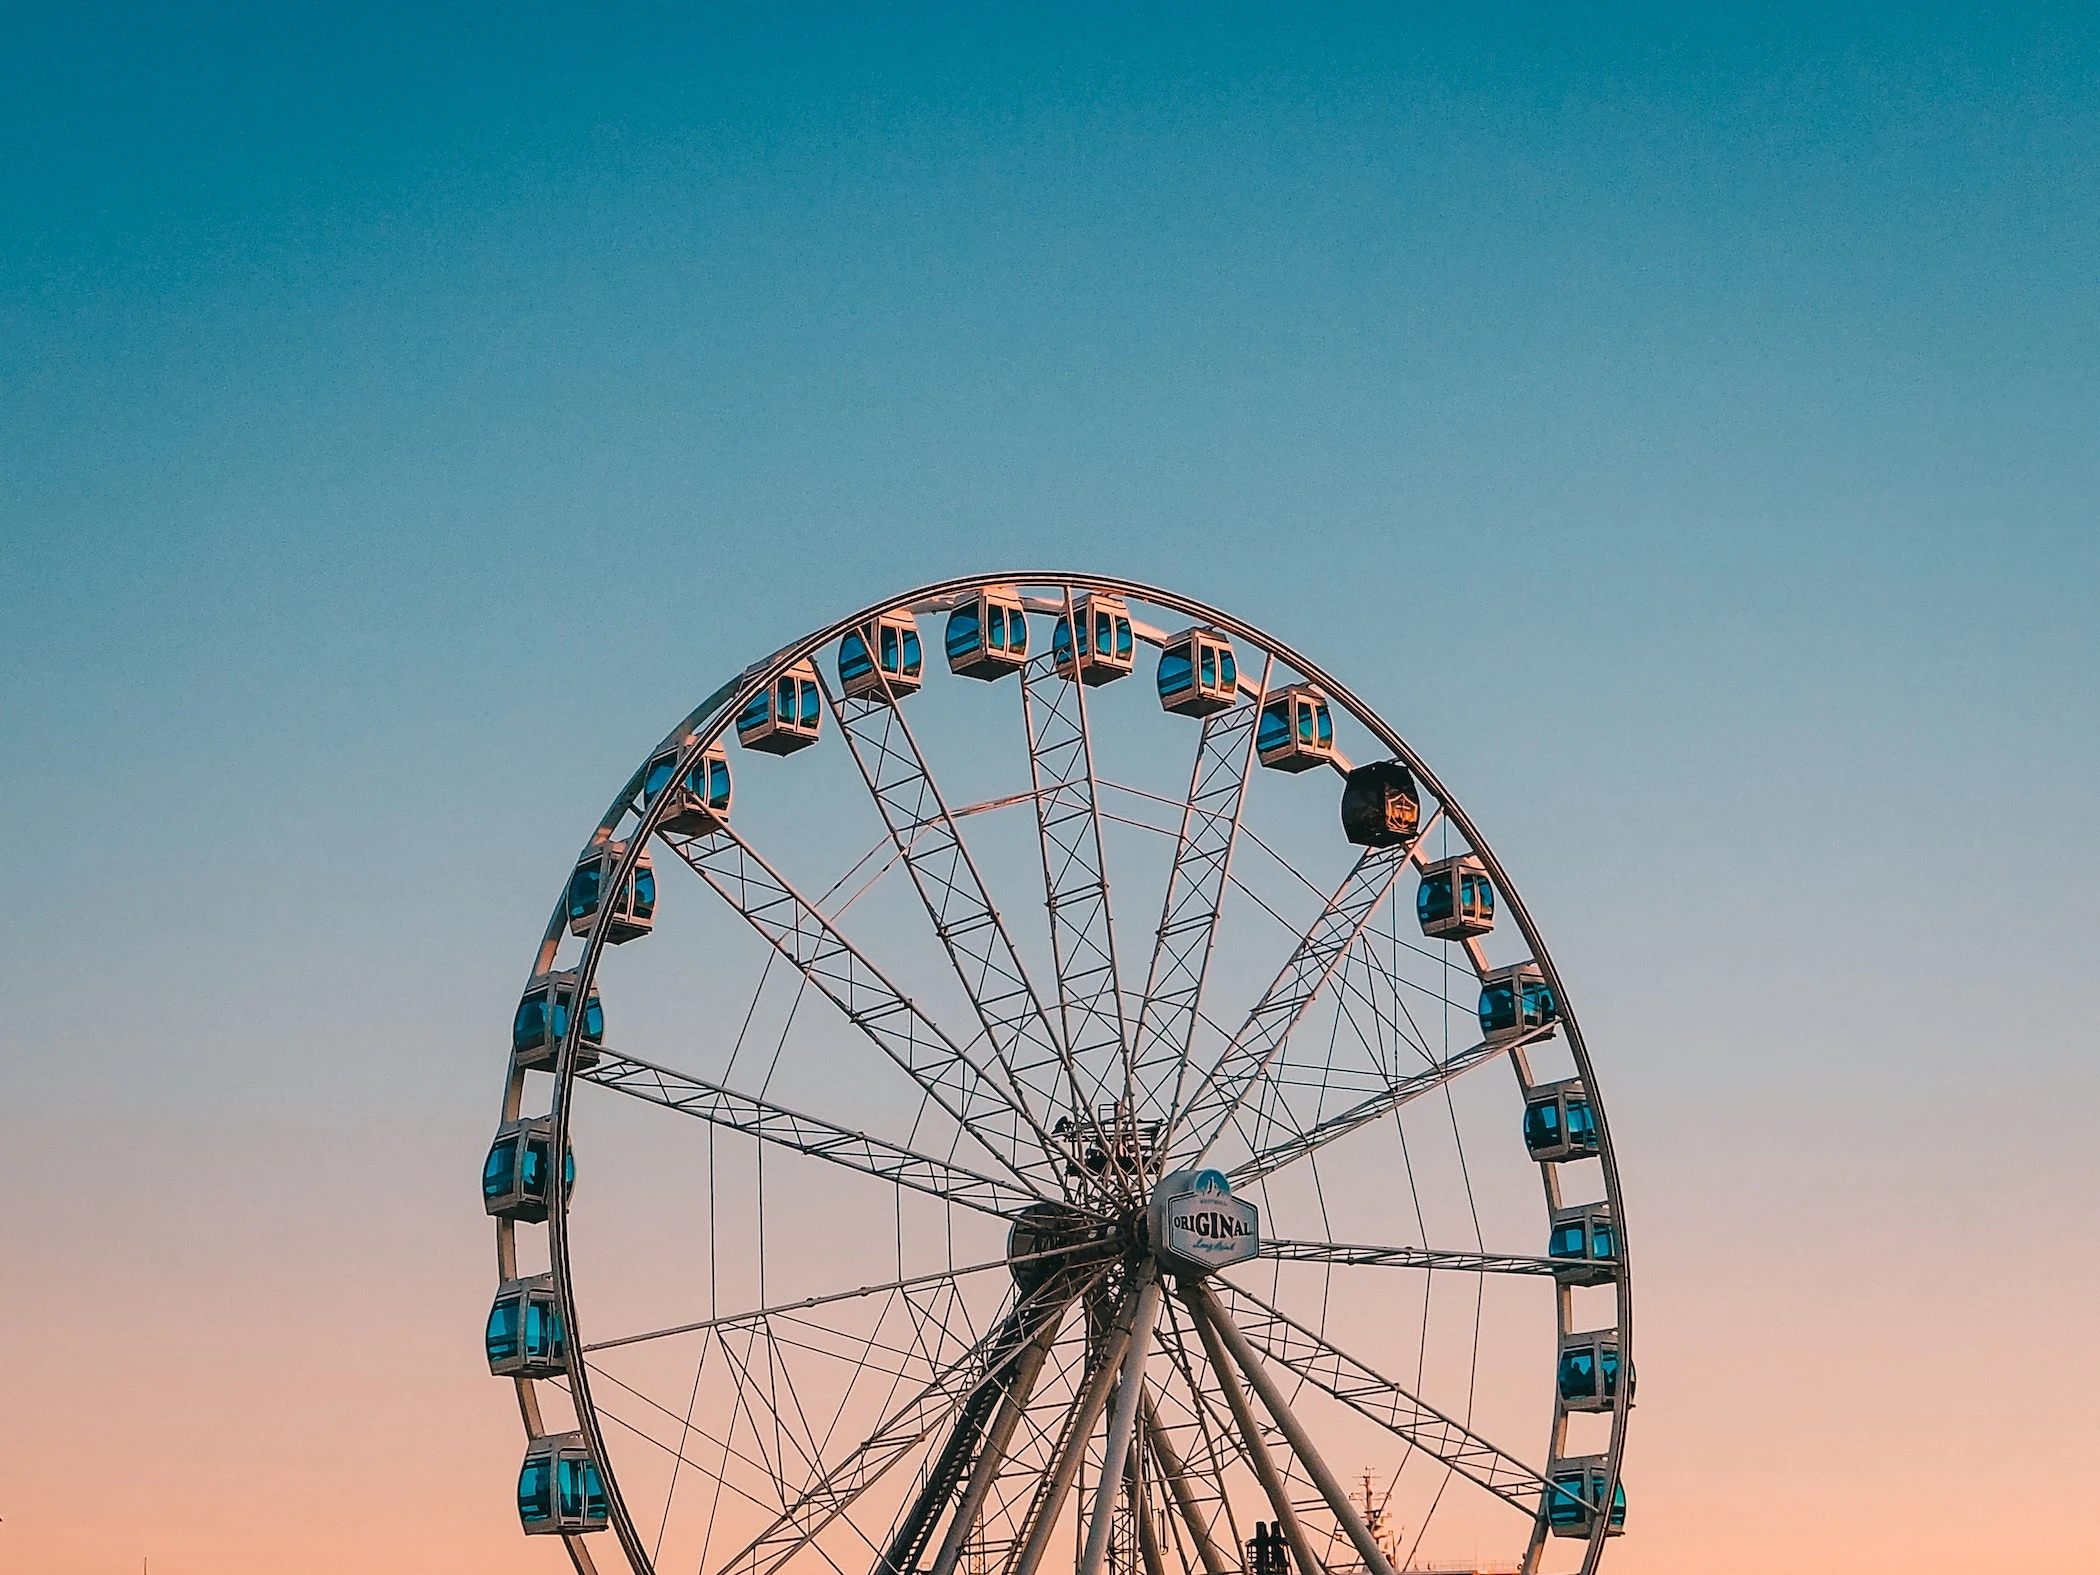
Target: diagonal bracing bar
(991, 1113)
(1181, 1487)
(1290, 1344)
(955, 898)
(1188, 921)
(1075, 881)
(982, 1365)
(1246, 1060)
(1106, 1364)
(806, 1134)
(1271, 1159)
(998, 1439)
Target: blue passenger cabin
(633, 910)
(515, 1176)
(1515, 1000)
(786, 715)
(881, 660)
(1577, 1494)
(559, 1488)
(1584, 1244)
(1107, 648)
(524, 1335)
(542, 1023)
(1456, 900)
(1380, 807)
(1197, 674)
(988, 634)
(1589, 1370)
(1296, 731)
(699, 801)
(1559, 1124)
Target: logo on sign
(1208, 1226)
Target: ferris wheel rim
(709, 722)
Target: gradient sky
(1688, 433)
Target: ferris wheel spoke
(1075, 884)
(805, 1304)
(836, 1489)
(1312, 1357)
(1359, 1256)
(953, 892)
(1267, 1161)
(1241, 1069)
(775, 1123)
(1188, 921)
(943, 1070)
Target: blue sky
(1684, 429)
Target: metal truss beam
(1269, 1160)
(1404, 1257)
(1290, 1344)
(953, 892)
(948, 1075)
(1188, 921)
(1260, 1040)
(774, 1123)
(1075, 882)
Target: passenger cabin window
(495, 1174)
(754, 713)
(1174, 676)
(503, 1330)
(1578, 1375)
(1275, 727)
(963, 631)
(810, 701)
(660, 770)
(536, 1492)
(1228, 673)
(1210, 668)
(1568, 1241)
(1542, 1124)
(784, 701)
(542, 1329)
(1498, 1008)
(1433, 900)
(529, 1027)
(583, 890)
(718, 783)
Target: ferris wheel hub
(1195, 1225)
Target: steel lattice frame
(1157, 1409)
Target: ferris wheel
(1018, 1114)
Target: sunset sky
(1689, 433)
